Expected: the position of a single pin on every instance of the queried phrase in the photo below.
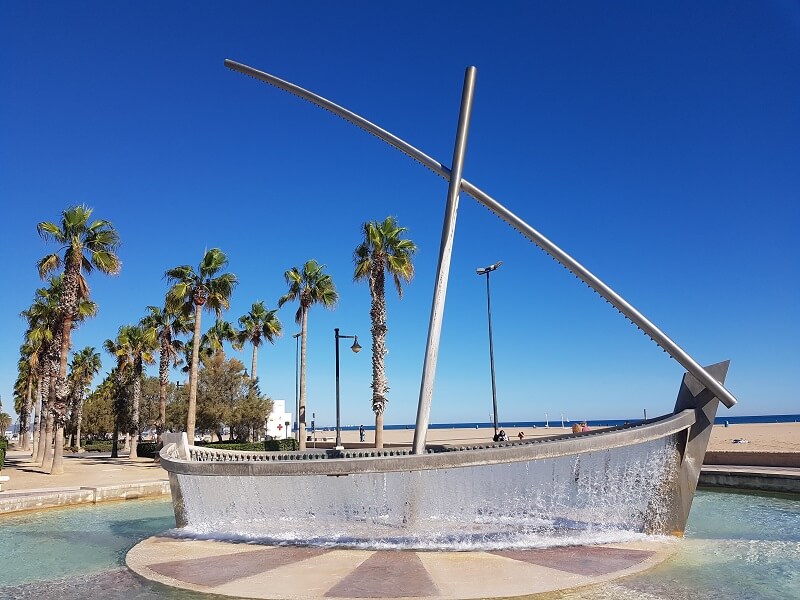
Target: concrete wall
(753, 459)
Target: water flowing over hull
(599, 486)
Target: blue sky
(656, 143)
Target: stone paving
(295, 573)
(88, 477)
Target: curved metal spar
(617, 301)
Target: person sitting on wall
(584, 426)
(502, 437)
(576, 428)
(520, 435)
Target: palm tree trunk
(57, 468)
(190, 417)
(378, 317)
(379, 429)
(115, 439)
(47, 456)
(44, 409)
(137, 394)
(60, 396)
(25, 426)
(301, 419)
(78, 422)
(254, 363)
(163, 381)
(36, 435)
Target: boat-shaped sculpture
(636, 478)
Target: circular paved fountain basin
(295, 572)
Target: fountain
(737, 547)
(638, 478)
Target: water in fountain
(604, 496)
(737, 547)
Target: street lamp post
(355, 348)
(486, 271)
(296, 337)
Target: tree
(258, 325)
(98, 409)
(86, 246)
(227, 396)
(308, 286)
(27, 368)
(382, 250)
(5, 423)
(192, 291)
(120, 391)
(163, 325)
(212, 341)
(42, 334)
(137, 347)
(85, 365)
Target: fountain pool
(737, 546)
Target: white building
(279, 422)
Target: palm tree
(85, 365)
(117, 385)
(5, 422)
(27, 368)
(190, 293)
(257, 325)
(212, 340)
(86, 246)
(381, 251)
(42, 319)
(137, 347)
(163, 326)
(309, 286)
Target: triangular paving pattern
(386, 574)
(212, 571)
(583, 560)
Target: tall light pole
(296, 337)
(486, 271)
(355, 348)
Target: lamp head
(355, 347)
(489, 269)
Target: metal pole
(617, 301)
(338, 431)
(296, 337)
(491, 351)
(443, 270)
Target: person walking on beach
(361, 433)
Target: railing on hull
(208, 461)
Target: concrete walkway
(88, 477)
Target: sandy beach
(766, 437)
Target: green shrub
(147, 449)
(248, 446)
(282, 445)
(98, 446)
(3, 447)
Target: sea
(590, 422)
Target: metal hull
(593, 485)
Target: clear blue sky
(658, 143)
